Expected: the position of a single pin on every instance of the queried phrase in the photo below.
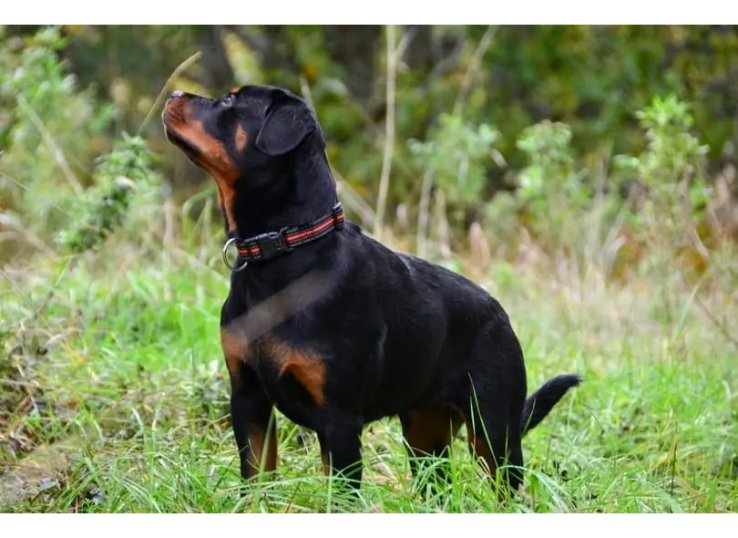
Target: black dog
(329, 325)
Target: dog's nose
(176, 94)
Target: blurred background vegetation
(498, 131)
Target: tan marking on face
(213, 155)
(235, 89)
(235, 350)
(241, 138)
(304, 365)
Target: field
(118, 396)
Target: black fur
(540, 403)
(390, 334)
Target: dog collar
(270, 244)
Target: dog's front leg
(254, 424)
(255, 429)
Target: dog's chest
(293, 376)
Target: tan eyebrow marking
(242, 138)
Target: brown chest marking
(307, 367)
(235, 349)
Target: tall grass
(115, 396)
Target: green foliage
(549, 189)
(34, 80)
(671, 168)
(457, 154)
(50, 131)
(547, 147)
(673, 153)
(118, 175)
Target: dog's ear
(288, 121)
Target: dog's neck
(299, 193)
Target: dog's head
(244, 140)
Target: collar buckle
(272, 244)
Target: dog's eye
(228, 100)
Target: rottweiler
(329, 325)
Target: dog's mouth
(182, 143)
(173, 120)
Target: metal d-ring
(225, 257)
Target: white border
(347, 526)
(369, 12)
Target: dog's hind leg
(429, 432)
(340, 447)
(495, 402)
(500, 448)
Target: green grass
(115, 397)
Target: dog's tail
(540, 403)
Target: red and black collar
(268, 245)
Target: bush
(668, 180)
(457, 155)
(104, 206)
(49, 131)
